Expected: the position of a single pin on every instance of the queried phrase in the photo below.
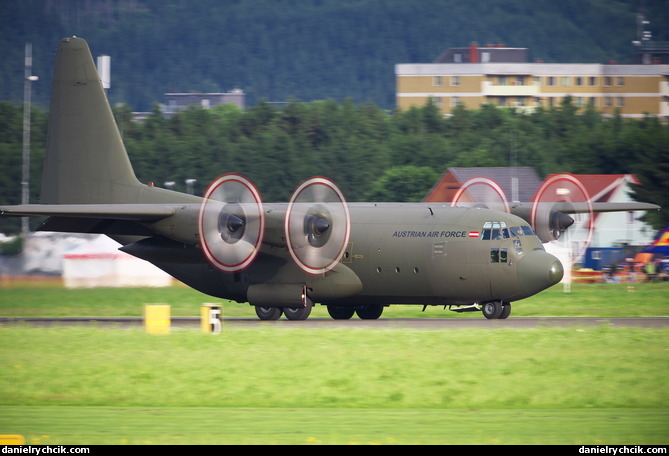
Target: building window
(457, 57)
(501, 101)
(620, 81)
(455, 80)
(565, 80)
(550, 80)
(436, 101)
(437, 80)
(455, 101)
(607, 102)
(592, 102)
(620, 102)
(501, 80)
(537, 80)
(593, 81)
(578, 81)
(520, 80)
(607, 81)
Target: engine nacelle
(549, 223)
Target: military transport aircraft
(284, 257)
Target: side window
(499, 256)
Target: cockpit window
(516, 231)
(498, 230)
(527, 230)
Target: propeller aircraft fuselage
(283, 257)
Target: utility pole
(25, 181)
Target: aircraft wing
(581, 207)
(584, 208)
(132, 212)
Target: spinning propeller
(481, 192)
(317, 225)
(231, 223)
(556, 200)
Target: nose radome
(556, 272)
(539, 270)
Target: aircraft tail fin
(86, 161)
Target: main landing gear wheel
(268, 313)
(302, 312)
(506, 311)
(370, 311)
(341, 313)
(298, 313)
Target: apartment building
(496, 75)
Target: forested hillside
(334, 61)
(304, 49)
(369, 153)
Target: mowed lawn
(300, 385)
(51, 299)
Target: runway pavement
(381, 323)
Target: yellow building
(478, 78)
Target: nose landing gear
(496, 310)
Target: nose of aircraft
(539, 270)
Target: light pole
(25, 181)
(190, 185)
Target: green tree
(648, 141)
(403, 183)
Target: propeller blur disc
(317, 225)
(481, 192)
(562, 212)
(231, 223)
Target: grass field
(296, 385)
(51, 299)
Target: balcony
(492, 90)
(664, 109)
(664, 89)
